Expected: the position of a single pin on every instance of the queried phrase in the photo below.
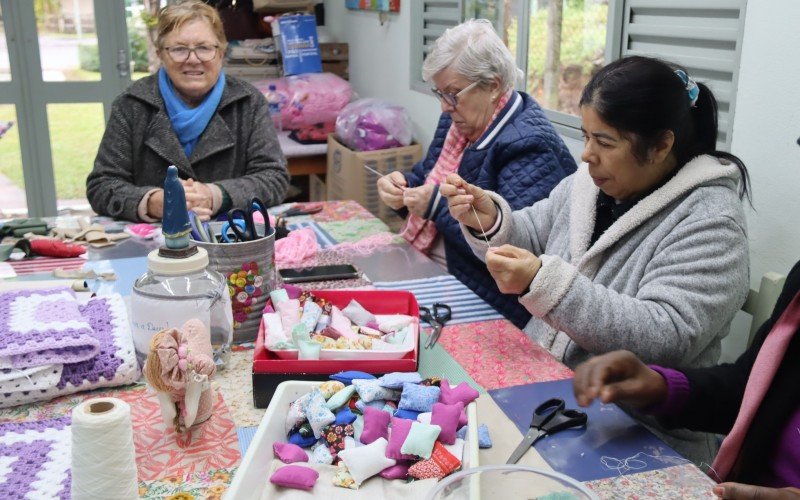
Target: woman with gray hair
(490, 134)
(214, 128)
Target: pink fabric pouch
(447, 417)
(376, 425)
(289, 453)
(397, 471)
(462, 392)
(295, 476)
(400, 429)
(341, 324)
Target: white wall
(766, 123)
(380, 61)
(765, 130)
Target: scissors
(548, 418)
(242, 224)
(441, 315)
(297, 209)
(201, 230)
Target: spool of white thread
(103, 455)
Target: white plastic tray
(359, 354)
(251, 477)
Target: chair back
(761, 302)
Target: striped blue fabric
(324, 240)
(467, 307)
(245, 437)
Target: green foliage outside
(583, 41)
(89, 57)
(138, 49)
(75, 133)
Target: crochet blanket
(35, 459)
(40, 327)
(115, 363)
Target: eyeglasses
(451, 98)
(180, 54)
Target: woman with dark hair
(644, 247)
(754, 401)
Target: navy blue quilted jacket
(521, 157)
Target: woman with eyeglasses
(644, 248)
(489, 133)
(215, 128)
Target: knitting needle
(381, 175)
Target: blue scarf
(187, 122)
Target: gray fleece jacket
(664, 281)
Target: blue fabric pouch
(302, 442)
(484, 441)
(419, 398)
(397, 379)
(407, 414)
(347, 377)
(345, 416)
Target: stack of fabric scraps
(356, 427)
(51, 345)
(310, 324)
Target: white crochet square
(22, 314)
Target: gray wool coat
(238, 150)
(664, 281)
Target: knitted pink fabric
(419, 232)
(182, 351)
(767, 362)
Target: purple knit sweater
(785, 460)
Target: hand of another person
(155, 205)
(198, 195)
(418, 199)
(512, 268)
(618, 376)
(738, 491)
(390, 189)
(462, 197)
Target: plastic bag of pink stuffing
(370, 124)
(309, 98)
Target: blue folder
(612, 443)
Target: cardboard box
(348, 179)
(269, 370)
(317, 190)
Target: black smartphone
(319, 273)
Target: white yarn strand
(103, 455)
(480, 225)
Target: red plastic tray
(376, 302)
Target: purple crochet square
(29, 455)
(105, 364)
(41, 327)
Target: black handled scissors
(247, 231)
(298, 209)
(548, 418)
(441, 315)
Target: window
(564, 42)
